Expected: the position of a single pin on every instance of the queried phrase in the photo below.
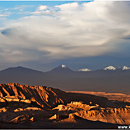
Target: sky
(42, 35)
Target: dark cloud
(6, 31)
(127, 37)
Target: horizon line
(116, 68)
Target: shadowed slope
(40, 95)
(46, 97)
(24, 106)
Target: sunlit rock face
(39, 95)
(42, 96)
(95, 113)
(45, 107)
(108, 115)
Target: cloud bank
(66, 31)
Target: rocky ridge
(97, 113)
(24, 106)
(39, 95)
(42, 96)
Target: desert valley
(65, 64)
(39, 106)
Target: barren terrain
(24, 106)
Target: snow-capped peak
(85, 69)
(63, 66)
(110, 68)
(125, 68)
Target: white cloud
(42, 7)
(1, 15)
(5, 14)
(68, 6)
(43, 10)
(72, 30)
(22, 7)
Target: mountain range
(63, 98)
(109, 79)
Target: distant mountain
(21, 75)
(84, 69)
(64, 78)
(110, 68)
(19, 69)
(61, 69)
(119, 68)
(124, 68)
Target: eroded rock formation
(24, 106)
(33, 95)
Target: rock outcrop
(95, 113)
(24, 106)
(40, 96)
(108, 115)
